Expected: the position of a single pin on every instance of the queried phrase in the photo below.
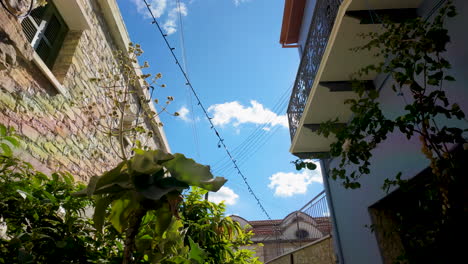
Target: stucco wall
(396, 154)
(56, 128)
(305, 26)
(320, 252)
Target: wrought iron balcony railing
(320, 28)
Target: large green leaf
(114, 187)
(155, 193)
(113, 181)
(100, 209)
(196, 252)
(164, 219)
(148, 162)
(121, 210)
(117, 174)
(192, 173)
(155, 186)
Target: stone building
(282, 236)
(46, 62)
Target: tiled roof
(267, 227)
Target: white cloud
(158, 7)
(238, 2)
(170, 26)
(183, 114)
(235, 113)
(225, 194)
(287, 184)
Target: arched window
(301, 234)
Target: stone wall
(318, 252)
(56, 127)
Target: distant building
(46, 61)
(282, 236)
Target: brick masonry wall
(320, 252)
(57, 133)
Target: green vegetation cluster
(43, 221)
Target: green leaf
(12, 140)
(3, 130)
(102, 203)
(61, 244)
(49, 196)
(114, 187)
(192, 173)
(148, 162)
(311, 166)
(117, 174)
(164, 219)
(113, 181)
(121, 210)
(154, 192)
(449, 78)
(6, 149)
(196, 252)
(91, 186)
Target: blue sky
(243, 77)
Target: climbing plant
(127, 92)
(414, 57)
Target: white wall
(305, 26)
(396, 153)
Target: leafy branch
(413, 53)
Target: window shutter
(46, 30)
(31, 24)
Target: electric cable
(199, 102)
(188, 94)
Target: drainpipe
(324, 164)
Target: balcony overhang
(336, 66)
(292, 20)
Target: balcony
(320, 28)
(323, 80)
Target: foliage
(145, 191)
(218, 236)
(129, 93)
(8, 139)
(302, 164)
(414, 58)
(42, 223)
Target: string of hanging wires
(257, 139)
(31, 7)
(197, 98)
(188, 93)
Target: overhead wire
(253, 143)
(277, 109)
(188, 93)
(257, 135)
(221, 142)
